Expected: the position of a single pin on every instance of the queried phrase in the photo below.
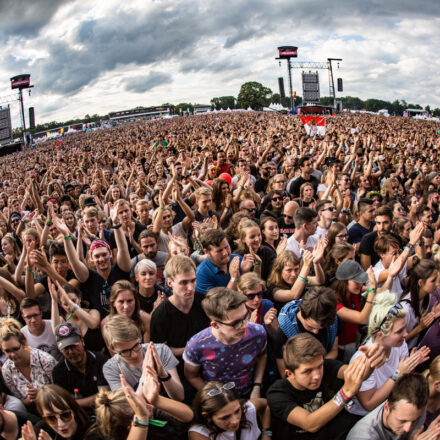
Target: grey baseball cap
(351, 270)
(67, 334)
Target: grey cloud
(141, 84)
(26, 17)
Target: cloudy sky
(100, 56)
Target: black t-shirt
(138, 228)
(357, 231)
(97, 290)
(267, 256)
(367, 245)
(285, 229)
(261, 185)
(174, 328)
(283, 398)
(147, 303)
(296, 184)
(68, 377)
(280, 339)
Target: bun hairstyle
(113, 414)
(11, 328)
(381, 318)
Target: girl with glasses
(387, 328)
(27, 369)
(262, 309)
(221, 415)
(63, 417)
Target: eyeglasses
(12, 350)
(393, 311)
(290, 217)
(280, 181)
(65, 416)
(342, 236)
(216, 391)
(276, 199)
(250, 209)
(127, 353)
(330, 208)
(252, 296)
(29, 317)
(346, 180)
(238, 324)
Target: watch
(166, 379)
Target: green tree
(253, 94)
(223, 102)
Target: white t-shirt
(163, 240)
(45, 342)
(253, 433)
(293, 245)
(397, 281)
(379, 375)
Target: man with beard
(432, 203)
(81, 369)
(401, 416)
(148, 244)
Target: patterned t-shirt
(227, 363)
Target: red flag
(314, 125)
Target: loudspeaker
(281, 86)
(340, 88)
(31, 118)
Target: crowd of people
(223, 277)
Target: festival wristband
(372, 289)
(68, 237)
(304, 280)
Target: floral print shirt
(42, 364)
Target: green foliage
(253, 94)
(223, 102)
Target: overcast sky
(101, 56)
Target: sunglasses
(12, 350)
(216, 391)
(65, 416)
(330, 208)
(252, 296)
(250, 209)
(290, 217)
(276, 199)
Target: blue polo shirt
(208, 275)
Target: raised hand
(136, 402)
(371, 277)
(416, 234)
(282, 245)
(270, 316)
(426, 320)
(61, 226)
(234, 267)
(354, 376)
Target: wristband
(267, 432)
(31, 271)
(258, 384)
(73, 312)
(395, 375)
(339, 400)
(234, 280)
(162, 208)
(371, 289)
(49, 223)
(68, 237)
(241, 187)
(140, 423)
(166, 379)
(117, 226)
(304, 280)
(256, 263)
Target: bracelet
(395, 375)
(117, 226)
(256, 263)
(267, 432)
(258, 384)
(49, 223)
(234, 280)
(166, 379)
(241, 187)
(369, 302)
(31, 271)
(72, 312)
(140, 423)
(226, 210)
(68, 237)
(304, 280)
(371, 289)
(341, 400)
(162, 208)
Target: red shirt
(349, 334)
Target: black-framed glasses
(393, 311)
(29, 317)
(252, 296)
(12, 350)
(237, 324)
(65, 416)
(127, 353)
(216, 391)
(342, 236)
(330, 208)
